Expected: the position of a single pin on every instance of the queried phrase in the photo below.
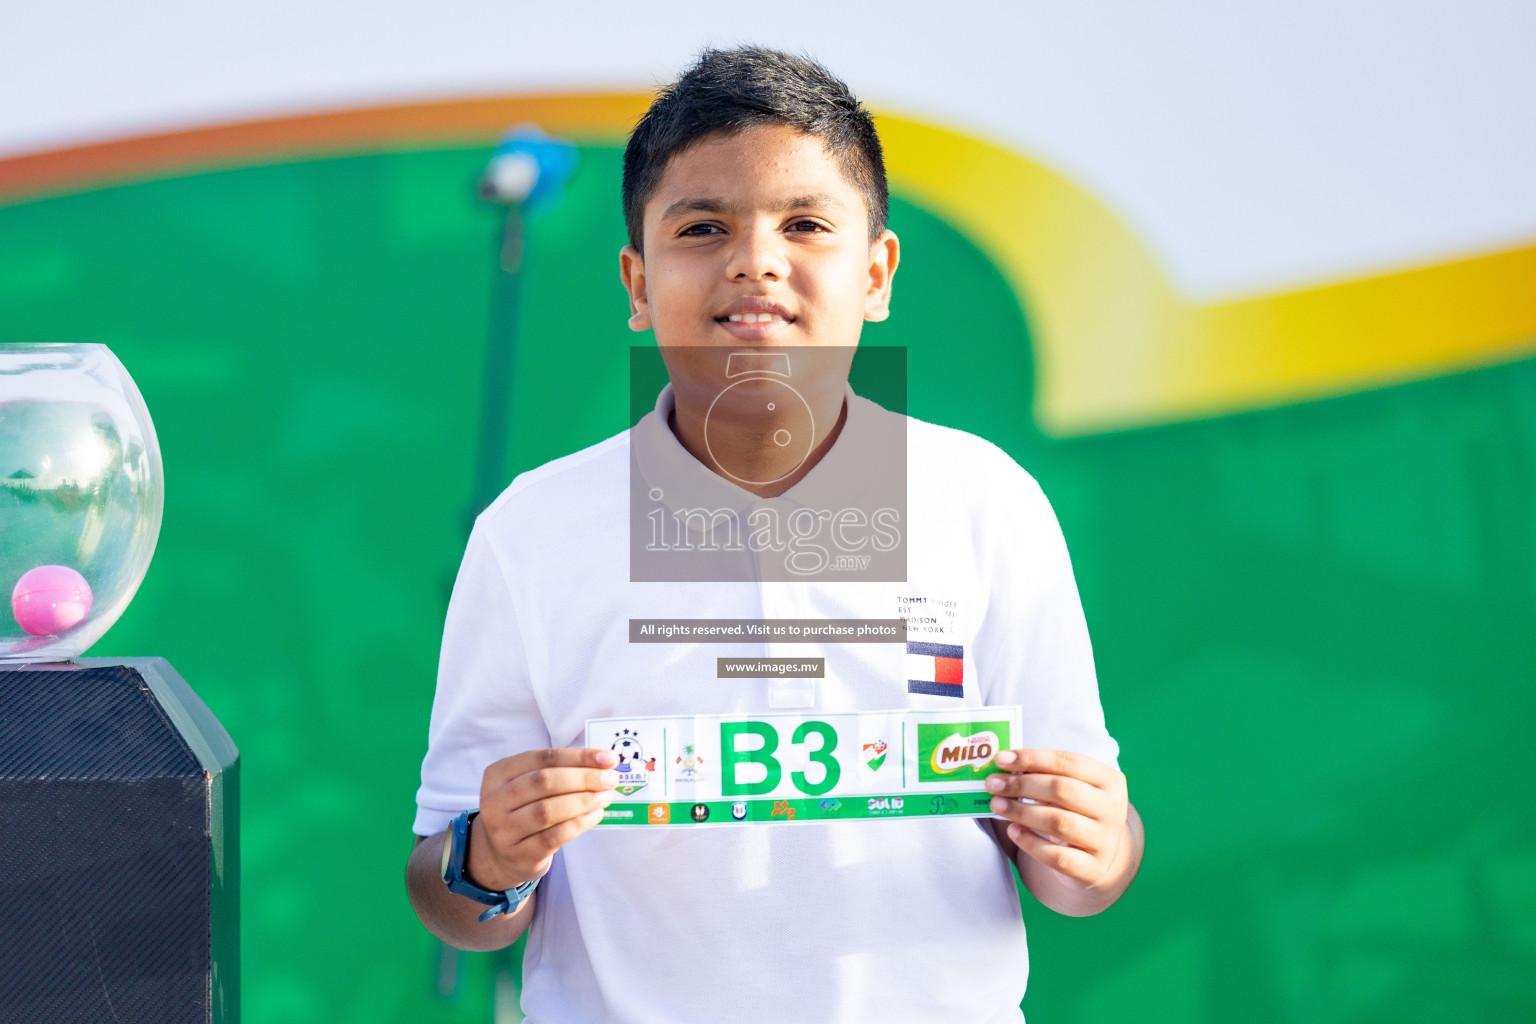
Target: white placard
(804, 766)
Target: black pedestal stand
(119, 847)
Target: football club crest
(874, 754)
(739, 810)
(634, 767)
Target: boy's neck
(742, 443)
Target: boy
(755, 198)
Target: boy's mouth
(754, 319)
(753, 326)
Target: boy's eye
(705, 230)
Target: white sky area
(1253, 147)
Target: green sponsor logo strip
(759, 810)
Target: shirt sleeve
(485, 707)
(1032, 646)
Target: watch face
(447, 853)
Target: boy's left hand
(1078, 823)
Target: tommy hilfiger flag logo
(935, 669)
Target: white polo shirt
(822, 921)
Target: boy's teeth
(753, 318)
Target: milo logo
(952, 751)
(955, 752)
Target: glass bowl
(81, 495)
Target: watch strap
(454, 874)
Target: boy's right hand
(533, 803)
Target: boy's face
(760, 225)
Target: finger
(534, 818)
(1070, 861)
(1069, 827)
(542, 783)
(503, 835)
(1062, 762)
(1060, 790)
(540, 846)
(508, 768)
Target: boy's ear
(632, 273)
(884, 254)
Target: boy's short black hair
(727, 91)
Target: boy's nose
(757, 255)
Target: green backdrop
(1313, 625)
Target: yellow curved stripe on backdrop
(1117, 347)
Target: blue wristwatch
(456, 852)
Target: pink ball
(50, 599)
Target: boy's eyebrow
(714, 204)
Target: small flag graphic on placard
(935, 669)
